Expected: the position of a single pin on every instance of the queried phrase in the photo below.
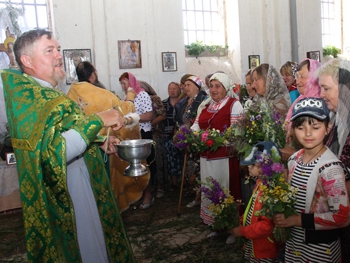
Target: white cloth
(219, 170)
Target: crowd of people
(71, 179)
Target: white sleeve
(75, 145)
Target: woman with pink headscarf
(308, 86)
(143, 107)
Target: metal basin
(133, 152)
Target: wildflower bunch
(278, 195)
(199, 141)
(259, 123)
(223, 206)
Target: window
(203, 21)
(331, 23)
(29, 14)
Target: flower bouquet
(224, 206)
(198, 141)
(259, 123)
(278, 195)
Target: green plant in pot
(331, 51)
(198, 47)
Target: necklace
(303, 173)
(314, 156)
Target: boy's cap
(257, 150)
(314, 107)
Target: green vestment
(36, 117)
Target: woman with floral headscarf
(221, 110)
(288, 74)
(334, 79)
(185, 114)
(271, 88)
(307, 84)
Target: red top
(219, 120)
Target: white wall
(98, 25)
(254, 27)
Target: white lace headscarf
(342, 119)
(228, 85)
(277, 92)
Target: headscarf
(196, 81)
(133, 83)
(277, 93)
(147, 87)
(184, 77)
(342, 117)
(275, 86)
(312, 89)
(228, 85)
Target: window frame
(201, 31)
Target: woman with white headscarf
(221, 110)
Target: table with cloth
(9, 187)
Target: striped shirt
(296, 250)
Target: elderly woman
(308, 86)
(143, 106)
(334, 79)
(221, 110)
(185, 114)
(271, 89)
(173, 154)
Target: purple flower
(180, 136)
(214, 193)
(276, 115)
(278, 168)
(185, 130)
(252, 118)
(258, 117)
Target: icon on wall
(129, 54)
(72, 57)
(169, 61)
(314, 55)
(254, 61)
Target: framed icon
(254, 61)
(129, 54)
(10, 159)
(169, 61)
(72, 57)
(316, 55)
